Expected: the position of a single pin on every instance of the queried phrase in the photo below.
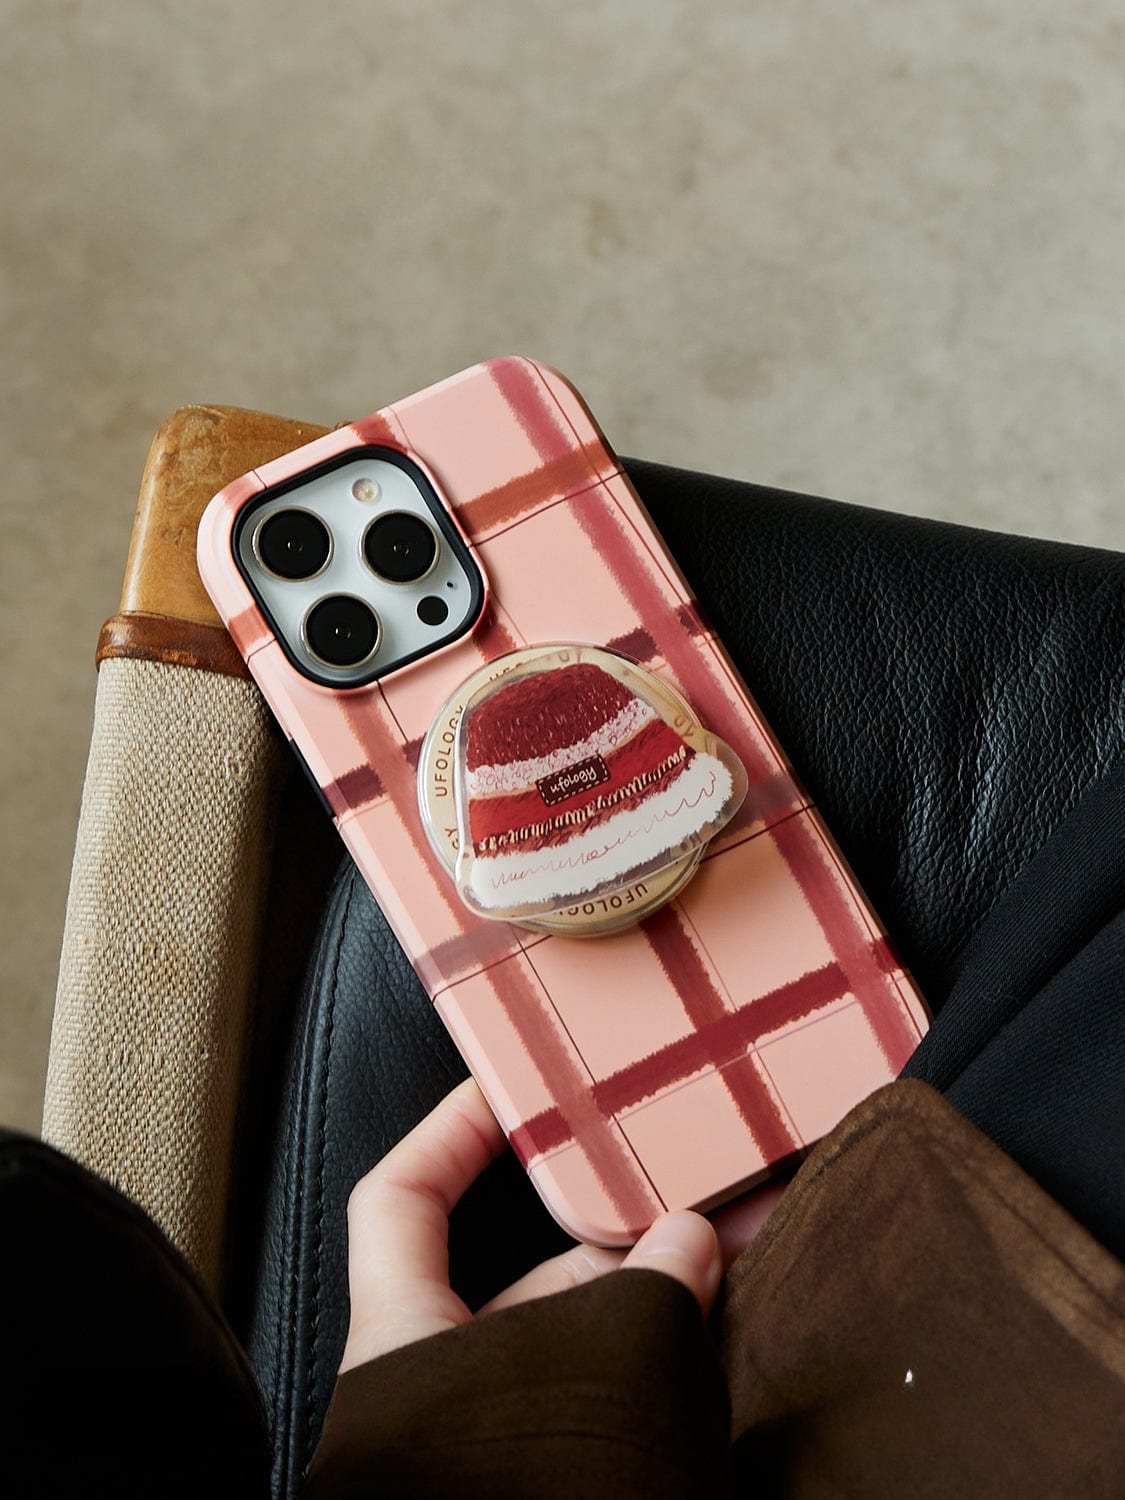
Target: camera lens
(293, 544)
(341, 630)
(400, 547)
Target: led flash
(365, 489)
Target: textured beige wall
(874, 251)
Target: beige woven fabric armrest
(160, 947)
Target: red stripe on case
(536, 1137)
(377, 429)
(536, 412)
(527, 492)
(525, 1002)
(807, 857)
(478, 943)
(412, 750)
(691, 618)
(724, 1040)
(788, 1004)
(478, 949)
(693, 668)
(566, 464)
(706, 1009)
(353, 790)
(637, 644)
(248, 630)
(493, 637)
(771, 1129)
(382, 747)
(669, 940)
(773, 799)
(716, 1045)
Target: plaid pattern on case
(683, 1059)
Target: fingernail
(685, 1234)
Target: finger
(740, 1222)
(398, 1215)
(579, 1264)
(684, 1245)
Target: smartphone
(416, 594)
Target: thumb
(684, 1245)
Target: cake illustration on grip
(573, 778)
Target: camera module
(342, 631)
(293, 544)
(400, 547)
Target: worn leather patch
(195, 453)
(183, 643)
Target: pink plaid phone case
(679, 1061)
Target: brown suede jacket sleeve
(613, 1388)
(918, 1318)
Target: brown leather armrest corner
(165, 613)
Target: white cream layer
(612, 851)
(518, 775)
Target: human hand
(398, 1235)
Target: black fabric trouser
(1030, 1043)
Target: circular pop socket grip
(570, 790)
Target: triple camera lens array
(342, 630)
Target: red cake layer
(542, 713)
(640, 769)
